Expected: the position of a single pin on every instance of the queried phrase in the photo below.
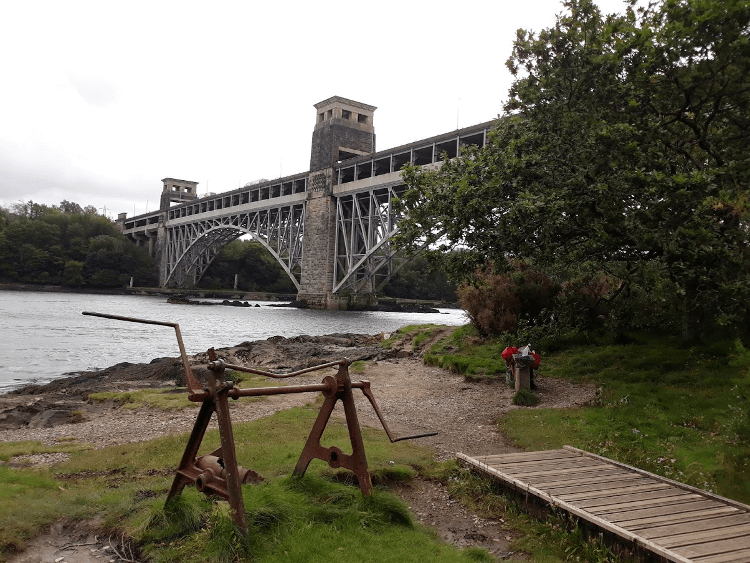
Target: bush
(496, 302)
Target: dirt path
(413, 398)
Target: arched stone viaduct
(329, 227)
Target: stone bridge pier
(343, 130)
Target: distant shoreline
(158, 291)
(386, 303)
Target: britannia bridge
(330, 228)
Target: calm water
(44, 335)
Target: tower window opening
(346, 114)
(361, 118)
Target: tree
(73, 273)
(70, 207)
(67, 245)
(257, 269)
(419, 279)
(624, 150)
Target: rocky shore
(65, 400)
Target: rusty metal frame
(217, 473)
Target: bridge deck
(670, 519)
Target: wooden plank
(599, 482)
(559, 472)
(715, 522)
(621, 516)
(542, 454)
(734, 503)
(522, 467)
(586, 478)
(705, 535)
(545, 459)
(618, 504)
(601, 523)
(554, 471)
(584, 492)
(732, 557)
(526, 461)
(636, 523)
(670, 519)
(714, 547)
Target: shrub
(496, 302)
(525, 398)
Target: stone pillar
(151, 245)
(160, 256)
(522, 371)
(316, 283)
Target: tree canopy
(68, 245)
(623, 154)
(256, 268)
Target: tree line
(613, 191)
(68, 245)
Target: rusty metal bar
(278, 375)
(192, 383)
(365, 386)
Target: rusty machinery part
(218, 365)
(212, 476)
(328, 381)
(218, 473)
(192, 383)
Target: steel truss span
(193, 246)
(365, 222)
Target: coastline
(166, 292)
(385, 304)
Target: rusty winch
(217, 473)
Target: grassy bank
(675, 410)
(311, 519)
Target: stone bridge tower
(173, 191)
(343, 129)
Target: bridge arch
(192, 247)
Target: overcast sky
(101, 100)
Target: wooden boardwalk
(669, 519)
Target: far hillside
(70, 246)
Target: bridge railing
(290, 185)
(419, 153)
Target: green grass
(424, 335)
(358, 366)
(674, 410)
(460, 353)
(174, 398)
(310, 519)
(307, 520)
(12, 449)
(525, 398)
(419, 333)
(167, 398)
